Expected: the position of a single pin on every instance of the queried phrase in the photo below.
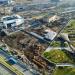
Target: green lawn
(64, 71)
(58, 44)
(73, 44)
(57, 56)
(70, 27)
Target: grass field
(58, 44)
(64, 71)
(73, 43)
(70, 27)
(57, 56)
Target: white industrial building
(6, 2)
(13, 20)
(51, 18)
(50, 34)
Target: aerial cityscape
(37, 37)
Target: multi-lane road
(24, 68)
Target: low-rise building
(11, 21)
(6, 2)
(50, 35)
(51, 18)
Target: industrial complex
(37, 37)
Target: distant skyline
(44, 1)
(40, 1)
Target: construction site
(28, 31)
